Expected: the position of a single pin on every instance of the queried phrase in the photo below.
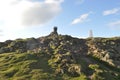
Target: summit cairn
(54, 33)
(55, 29)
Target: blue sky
(36, 18)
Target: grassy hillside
(27, 66)
(60, 57)
(42, 66)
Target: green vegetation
(60, 57)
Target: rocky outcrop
(65, 55)
(106, 49)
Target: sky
(36, 18)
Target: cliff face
(77, 58)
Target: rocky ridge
(67, 53)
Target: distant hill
(60, 57)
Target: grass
(23, 66)
(109, 72)
(31, 66)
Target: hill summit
(60, 57)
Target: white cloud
(115, 25)
(112, 11)
(16, 14)
(54, 1)
(81, 19)
(40, 14)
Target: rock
(4, 50)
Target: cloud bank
(22, 13)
